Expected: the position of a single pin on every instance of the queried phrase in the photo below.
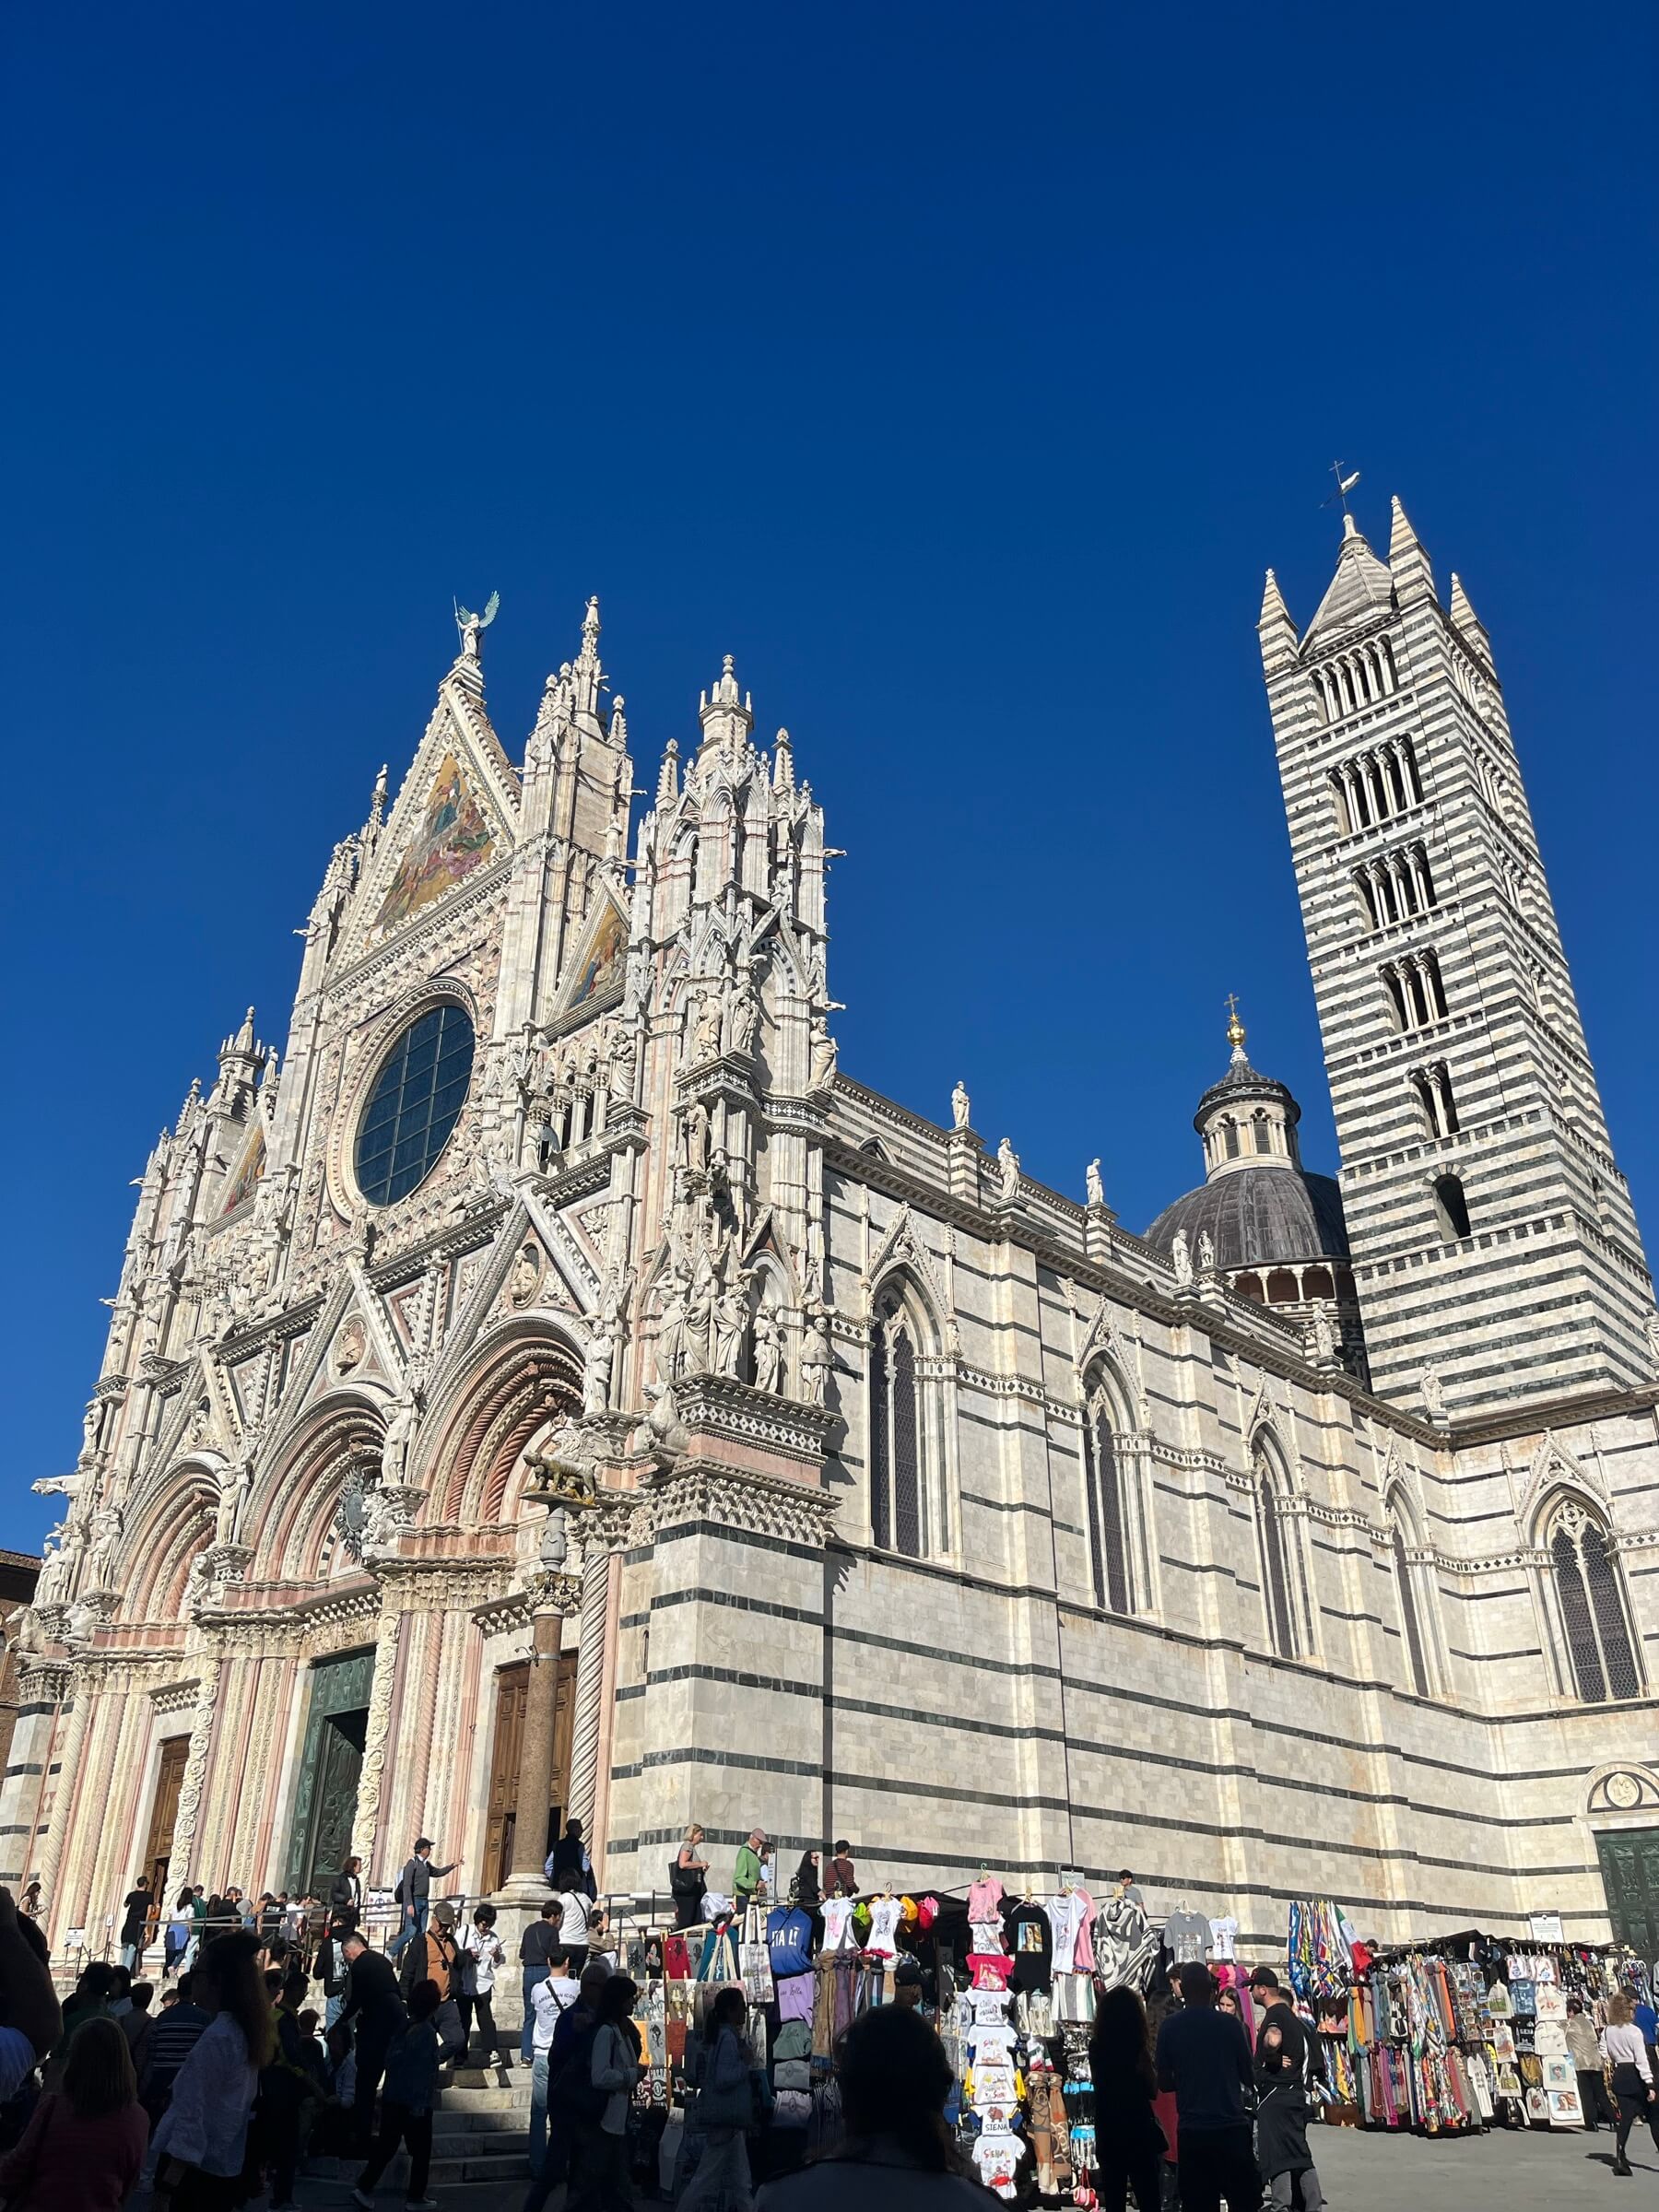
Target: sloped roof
(1259, 1217)
(1360, 591)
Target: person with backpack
(555, 1998)
(412, 1894)
(571, 2099)
(436, 1958)
(406, 2107)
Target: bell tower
(1496, 1253)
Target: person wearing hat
(437, 1957)
(414, 1893)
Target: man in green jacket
(748, 1873)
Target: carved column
(556, 1596)
(378, 1729)
(603, 1532)
(181, 1863)
(63, 1804)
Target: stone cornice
(719, 1405)
(798, 1512)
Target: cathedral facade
(555, 1387)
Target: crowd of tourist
(215, 2084)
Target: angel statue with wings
(471, 627)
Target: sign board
(1070, 1878)
(74, 1938)
(1545, 1927)
(378, 1904)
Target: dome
(1259, 1216)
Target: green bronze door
(331, 1761)
(1630, 1865)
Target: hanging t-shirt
(885, 1915)
(1031, 1940)
(991, 1969)
(992, 2045)
(997, 2157)
(985, 1934)
(1223, 1934)
(984, 1899)
(1187, 1933)
(789, 1939)
(988, 2006)
(795, 1993)
(837, 1915)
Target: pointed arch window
(1275, 1545)
(1600, 1653)
(1411, 1620)
(907, 1512)
(1107, 1501)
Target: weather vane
(1344, 486)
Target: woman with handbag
(85, 2142)
(1626, 2053)
(688, 1879)
(724, 2114)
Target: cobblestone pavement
(1537, 2171)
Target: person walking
(725, 2111)
(406, 2107)
(1206, 2059)
(137, 2024)
(180, 1927)
(749, 1870)
(1130, 2145)
(203, 2132)
(599, 2176)
(481, 1956)
(288, 2092)
(568, 2095)
(177, 2032)
(843, 1874)
(1282, 2153)
(537, 1945)
(333, 1967)
(1625, 2049)
(346, 1890)
(374, 2004)
(895, 2154)
(437, 1957)
(558, 1992)
(688, 1879)
(568, 1865)
(135, 1909)
(1585, 2054)
(414, 1893)
(83, 2148)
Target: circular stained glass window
(415, 1104)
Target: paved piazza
(1500, 2172)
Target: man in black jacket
(376, 2007)
(345, 1892)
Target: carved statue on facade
(1180, 1259)
(1008, 1170)
(694, 1131)
(817, 1355)
(597, 1368)
(1094, 1187)
(731, 1322)
(105, 1541)
(671, 1334)
(1206, 1252)
(768, 1350)
(398, 1441)
(1321, 1338)
(706, 1027)
(959, 1105)
(52, 1585)
(746, 1016)
(825, 1051)
(1433, 1394)
(700, 1295)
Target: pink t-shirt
(984, 1899)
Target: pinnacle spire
(1407, 557)
(1358, 592)
(1465, 618)
(1275, 627)
(726, 713)
(784, 763)
(667, 789)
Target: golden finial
(1235, 1028)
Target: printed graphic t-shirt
(998, 2156)
(838, 1911)
(1031, 1940)
(884, 1919)
(984, 1899)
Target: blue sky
(957, 369)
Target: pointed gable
(594, 971)
(1360, 590)
(454, 816)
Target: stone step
(513, 2098)
(510, 2121)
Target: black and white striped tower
(1496, 1253)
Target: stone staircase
(480, 2139)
